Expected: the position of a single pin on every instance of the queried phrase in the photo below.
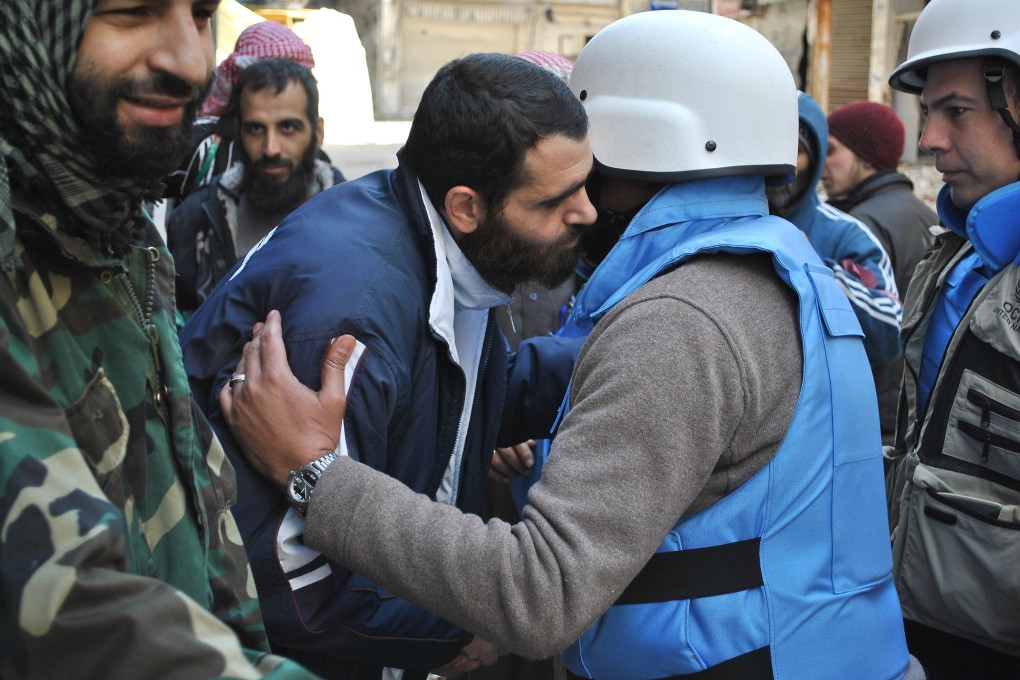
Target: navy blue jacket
(360, 258)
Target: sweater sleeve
(648, 423)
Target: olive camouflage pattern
(119, 557)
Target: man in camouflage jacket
(119, 557)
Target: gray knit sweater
(681, 393)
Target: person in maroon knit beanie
(869, 130)
(865, 144)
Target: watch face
(300, 486)
(302, 481)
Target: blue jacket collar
(992, 224)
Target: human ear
(464, 209)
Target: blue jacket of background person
(799, 585)
(360, 258)
(861, 266)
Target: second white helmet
(675, 94)
(953, 29)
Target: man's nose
(182, 50)
(933, 137)
(582, 212)
(273, 149)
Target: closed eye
(558, 200)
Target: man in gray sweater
(714, 496)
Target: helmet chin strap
(995, 74)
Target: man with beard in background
(119, 557)
(489, 193)
(275, 107)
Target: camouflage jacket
(119, 557)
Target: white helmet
(954, 29)
(675, 95)
(958, 29)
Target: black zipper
(988, 406)
(938, 425)
(144, 311)
(436, 479)
(988, 439)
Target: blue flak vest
(789, 576)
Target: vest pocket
(984, 426)
(954, 539)
(860, 526)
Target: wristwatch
(301, 482)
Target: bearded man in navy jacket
(489, 193)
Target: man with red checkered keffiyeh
(257, 42)
(215, 150)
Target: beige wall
(406, 41)
(784, 24)
(430, 34)
(427, 44)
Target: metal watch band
(320, 464)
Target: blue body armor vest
(787, 577)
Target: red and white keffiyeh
(556, 64)
(259, 41)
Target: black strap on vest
(755, 665)
(700, 572)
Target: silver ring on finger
(235, 379)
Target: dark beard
(505, 259)
(600, 237)
(149, 153)
(783, 199)
(270, 195)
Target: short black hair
(277, 73)
(1011, 82)
(479, 117)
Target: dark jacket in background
(202, 230)
(886, 203)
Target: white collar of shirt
(459, 313)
